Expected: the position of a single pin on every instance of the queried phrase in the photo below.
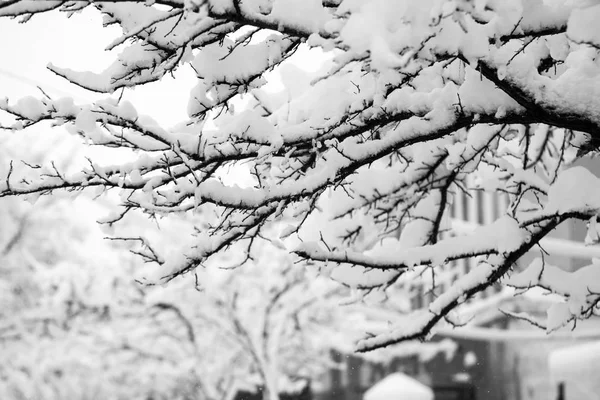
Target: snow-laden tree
(74, 324)
(418, 103)
(266, 326)
(67, 301)
(60, 294)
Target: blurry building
(509, 358)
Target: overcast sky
(78, 43)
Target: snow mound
(399, 386)
(577, 366)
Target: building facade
(506, 367)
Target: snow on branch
(580, 290)
(421, 112)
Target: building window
(416, 300)
(365, 375)
(344, 376)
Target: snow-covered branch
(420, 110)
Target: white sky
(48, 38)
(78, 43)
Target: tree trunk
(269, 393)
